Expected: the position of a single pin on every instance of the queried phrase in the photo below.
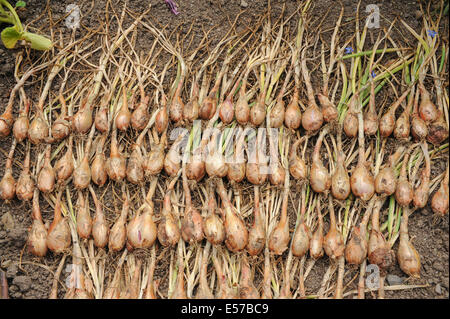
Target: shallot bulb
(46, 177)
(438, 131)
(101, 118)
(37, 234)
(141, 229)
(293, 115)
(257, 234)
(385, 181)
(404, 190)
(191, 109)
(84, 220)
(177, 105)
(279, 238)
(123, 117)
(356, 248)
(64, 166)
(319, 178)
(98, 166)
(215, 161)
(333, 242)
(312, 118)
(6, 120)
(209, 105)
(195, 167)
(191, 225)
(62, 126)
(351, 118)
(316, 242)
(402, 125)
(236, 234)
(258, 111)
(58, 237)
(340, 181)
(277, 172)
(419, 128)
(407, 256)
(82, 120)
(439, 201)
(329, 110)
(371, 117)
(242, 110)
(82, 173)
(8, 183)
(118, 234)
(420, 197)
(140, 115)
(379, 251)
(100, 228)
(427, 110)
(302, 235)
(154, 162)
(135, 169)
(254, 170)
(21, 125)
(362, 182)
(212, 224)
(172, 161)
(236, 169)
(226, 109)
(25, 184)
(387, 121)
(247, 289)
(297, 166)
(162, 118)
(116, 163)
(38, 130)
(168, 230)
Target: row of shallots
(251, 114)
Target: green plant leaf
(10, 36)
(20, 4)
(38, 42)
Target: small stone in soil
(23, 282)
(438, 267)
(394, 280)
(11, 271)
(244, 4)
(438, 289)
(7, 221)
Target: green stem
(369, 52)
(17, 23)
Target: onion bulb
(46, 177)
(58, 237)
(100, 228)
(37, 234)
(319, 178)
(420, 197)
(8, 183)
(257, 234)
(21, 125)
(212, 224)
(84, 220)
(407, 256)
(118, 234)
(316, 243)
(25, 184)
(404, 190)
(427, 110)
(191, 225)
(297, 165)
(64, 166)
(439, 201)
(168, 230)
(333, 242)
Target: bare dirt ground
(29, 277)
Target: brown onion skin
(351, 119)
(419, 128)
(258, 111)
(420, 197)
(169, 232)
(140, 115)
(242, 110)
(176, 107)
(192, 222)
(297, 166)
(214, 229)
(371, 117)
(247, 289)
(329, 110)
(438, 131)
(82, 174)
(62, 126)
(46, 177)
(25, 184)
(6, 121)
(312, 118)
(333, 242)
(118, 234)
(439, 201)
(316, 242)
(37, 234)
(154, 162)
(402, 126)
(427, 110)
(191, 109)
(301, 240)
(340, 181)
(404, 190)
(195, 167)
(253, 170)
(279, 237)
(236, 234)
(38, 130)
(7, 186)
(407, 256)
(98, 166)
(256, 234)
(226, 111)
(276, 116)
(64, 167)
(84, 220)
(100, 228)
(82, 120)
(123, 117)
(116, 163)
(319, 178)
(162, 119)
(385, 182)
(208, 107)
(356, 248)
(292, 114)
(379, 252)
(362, 182)
(58, 236)
(101, 120)
(135, 170)
(215, 161)
(21, 125)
